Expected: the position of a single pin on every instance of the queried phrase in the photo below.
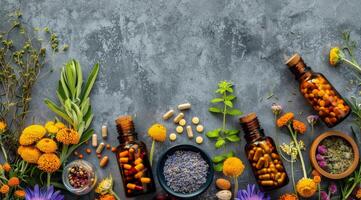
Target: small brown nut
(88, 151)
(223, 184)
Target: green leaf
(79, 81)
(230, 97)
(233, 138)
(229, 154)
(219, 158)
(216, 100)
(53, 107)
(90, 82)
(218, 167)
(231, 132)
(70, 74)
(214, 133)
(214, 110)
(229, 103)
(234, 112)
(220, 142)
(230, 90)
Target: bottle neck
(298, 67)
(125, 128)
(129, 136)
(251, 128)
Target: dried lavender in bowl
(185, 171)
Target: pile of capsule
(131, 160)
(325, 100)
(266, 164)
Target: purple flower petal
(321, 149)
(319, 157)
(332, 188)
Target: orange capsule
(139, 167)
(123, 160)
(123, 154)
(145, 180)
(139, 174)
(127, 166)
(138, 161)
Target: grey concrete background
(156, 54)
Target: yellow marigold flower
(358, 193)
(60, 125)
(233, 167)
(13, 181)
(4, 189)
(49, 162)
(107, 197)
(7, 167)
(157, 132)
(335, 56)
(306, 187)
(299, 126)
(68, 136)
(288, 197)
(285, 119)
(47, 145)
(20, 193)
(32, 134)
(29, 154)
(2, 126)
(51, 128)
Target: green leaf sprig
(223, 135)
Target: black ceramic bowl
(171, 151)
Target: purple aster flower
(252, 194)
(312, 119)
(321, 149)
(324, 195)
(319, 157)
(43, 194)
(276, 108)
(332, 188)
(322, 164)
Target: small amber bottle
(133, 160)
(262, 155)
(319, 92)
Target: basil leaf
(218, 167)
(214, 133)
(234, 112)
(220, 143)
(215, 110)
(233, 138)
(216, 100)
(219, 158)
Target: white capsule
(184, 106)
(172, 137)
(179, 129)
(104, 131)
(199, 140)
(195, 120)
(182, 122)
(189, 132)
(199, 128)
(94, 140)
(168, 114)
(178, 117)
(100, 147)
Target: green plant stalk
(278, 144)
(235, 186)
(319, 191)
(293, 179)
(357, 67)
(152, 153)
(48, 180)
(3, 150)
(294, 138)
(224, 119)
(114, 194)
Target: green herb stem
(294, 138)
(48, 179)
(293, 178)
(151, 153)
(357, 67)
(235, 186)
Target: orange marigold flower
(317, 179)
(4, 189)
(7, 167)
(315, 173)
(47, 145)
(20, 193)
(49, 162)
(358, 193)
(306, 187)
(13, 181)
(29, 153)
(107, 197)
(68, 136)
(288, 197)
(285, 119)
(233, 167)
(158, 132)
(299, 126)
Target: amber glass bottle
(133, 160)
(319, 92)
(262, 155)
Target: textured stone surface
(156, 54)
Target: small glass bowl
(92, 175)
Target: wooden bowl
(347, 138)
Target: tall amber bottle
(262, 155)
(132, 156)
(319, 92)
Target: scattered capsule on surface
(199, 140)
(168, 114)
(199, 128)
(100, 147)
(189, 132)
(195, 120)
(104, 161)
(179, 129)
(182, 122)
(172, 137)
(88, 151)
(178, 117)
(94, 140)
(184, 106)
(104, 131)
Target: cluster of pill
(266, 164)
(330, 106)
(182, 123)
(134, 170)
